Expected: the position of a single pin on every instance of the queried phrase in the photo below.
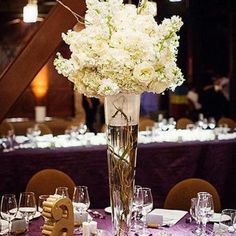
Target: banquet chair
(145, 122)
(226, 121)
(103, 128)
(44, 128)
(5, 127)
(179, 197)
(183, 122)
(46, 181)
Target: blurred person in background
(90, 106)
(194, 106)
(214, 103)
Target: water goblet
(81, 204)
(205, 210)
(27, 206)
(171, 123)
(8, 209)
(193, 214)
(11, 139)
(204, 124)
(137, 206)
(149, 131)
(83, 128)
(41, 199)
(147, 207)
(212, 123)
(62, 191)
(80, 200)
(234, 222)
(228, 221)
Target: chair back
(145, 122)
(46, 181)
(44, 128)
(104, 128)
(183, 122)
(227, 121)
(5, 127)
(179, 197)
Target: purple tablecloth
(180, 229)
(159, 166)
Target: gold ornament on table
(59, 216)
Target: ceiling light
(175, 0)
(30, 12)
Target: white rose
(144, 73)
(158, 86)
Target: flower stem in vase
(122, 148)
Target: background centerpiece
(120, 53)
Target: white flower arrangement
(122, 50)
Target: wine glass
(205, 210)
(82, 128)
(80, 199)
(137, 205)
(204, 124)
(192, 209)
(41, 199)
(8, 209)
(234, 222)
(11, 139)
(212, 123)
(27, 206)
(147, 207)
(193, 214)
(228, 221)
(62, 191)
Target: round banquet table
(180, 229)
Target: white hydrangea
(122, 50)
(108, 87)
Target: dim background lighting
(30, 12)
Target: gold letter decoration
(59, 217)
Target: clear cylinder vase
(122, 117)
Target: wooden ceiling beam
(18, 76)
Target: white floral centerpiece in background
(120, 53)
(122, 49)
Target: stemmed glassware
(41, 199)
(137, 205)
(82, 128)
(62, 191)
(27, 205)
(147, 207)
(81, 201)
(228, 221)
(193, 214)
(212, 123)
(204, 210)
(32, 134)
(8, 209)
(9, 141)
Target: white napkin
(170, 217)
(21, 139)
(18, 226)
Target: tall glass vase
(122, 117)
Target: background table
(159, 166)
